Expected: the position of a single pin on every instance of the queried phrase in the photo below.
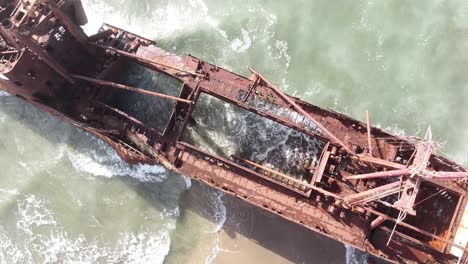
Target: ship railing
(185, 148)
(270, 175)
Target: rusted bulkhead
(367, 188)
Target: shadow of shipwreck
(289, 240)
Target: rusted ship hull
(362, 183)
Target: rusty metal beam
(372, 194)
(9, 52)
(195, 96)
(380, 174)
(448, 175)
(303, 112)
(377, 222)
(369, 140)
(317, 177)
(132, 89)
(101, 35)
(378, 162)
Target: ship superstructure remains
(389, 196)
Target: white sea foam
(240, 45)
(220, 211)
(161, 21)
(188, 182)
(219, 218)
(353, 256)
(46, 241)
(105, 162)
(214, 251)
(33, 214)
(9, 251)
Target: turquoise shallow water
(65, 197)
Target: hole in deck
(224, 129)
(153, 111)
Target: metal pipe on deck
(436, 175)
(380, 174)
(377, 222)
(372, 194)
(132, 89)
(369, 136)
(303, 112)
(448, 175)
(378, 162)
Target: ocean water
(65, 197)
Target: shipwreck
(392, 197)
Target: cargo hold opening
(155, 112)
(226, 130)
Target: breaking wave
(354, 256)
(154, 19)
(109, 164)
(218, 216)
(34, 232)
(45, 240)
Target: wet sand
(217, 228)
(253, 235)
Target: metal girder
(380, 174)
(132, 89)
(372, 194)
(304, 113)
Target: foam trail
(214, 252)
(219, 215)
(161, 20)
(46, 241)
(103, 161)
(220, 212)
